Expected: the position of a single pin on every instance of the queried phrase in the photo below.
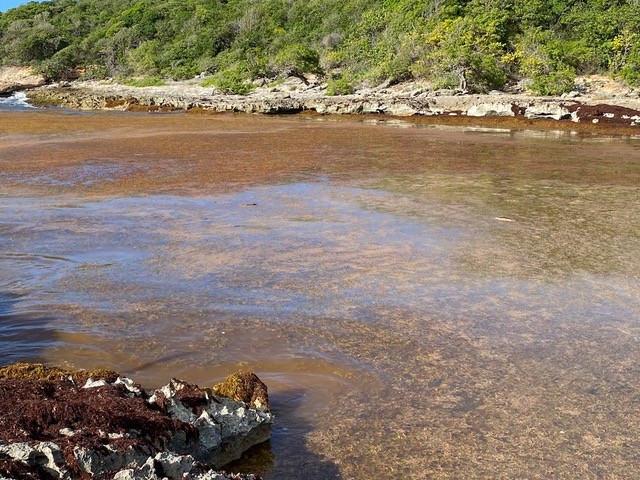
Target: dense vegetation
(473, 44)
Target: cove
(425, 302)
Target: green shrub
(547, 61)
(463, 53)
(630, 71)
(182, 72)
(554, 83)
(234, 81)
(60, 65)
(94, 72)
(144, 82)
(340, 86)
(208, 82)
(297, 59)
(394, 69)
(145, 58)
(472, 44)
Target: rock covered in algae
(61, 424)
(244, 387)
(37, 371)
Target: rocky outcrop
(54, 426)
(549, 109)
(297, 97)
(225, 427)
(13, 79)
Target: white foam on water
(17, 101)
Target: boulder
(13, 79)
(550, 110)
(492, 109)
(244, 387)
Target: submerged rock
(54, 426)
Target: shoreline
(617, 113)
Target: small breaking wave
(17, 101)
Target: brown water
(423, 302)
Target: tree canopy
(474, 44)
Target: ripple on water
(26, 270)
(23, 334)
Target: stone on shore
(492, 109)
(13, 79)
(244, 387)
(61, 424)
(548, 109)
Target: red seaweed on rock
(56, 423)
(39, 410)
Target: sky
(7, 4)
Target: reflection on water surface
(421, 302)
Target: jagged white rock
(129, 385)
(174, 406)
(45, 455)
(91, 383)
(226, 427)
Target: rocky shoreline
(60, 424)
(597, 100)
(294, 96)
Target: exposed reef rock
(401, 102)
(61, 424)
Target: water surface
(16, 102)
(422, 302)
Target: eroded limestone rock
(108, 426)
(13, 79)
(226, 427)
(551, 110)
(492, 109)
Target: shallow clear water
(439, 303)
